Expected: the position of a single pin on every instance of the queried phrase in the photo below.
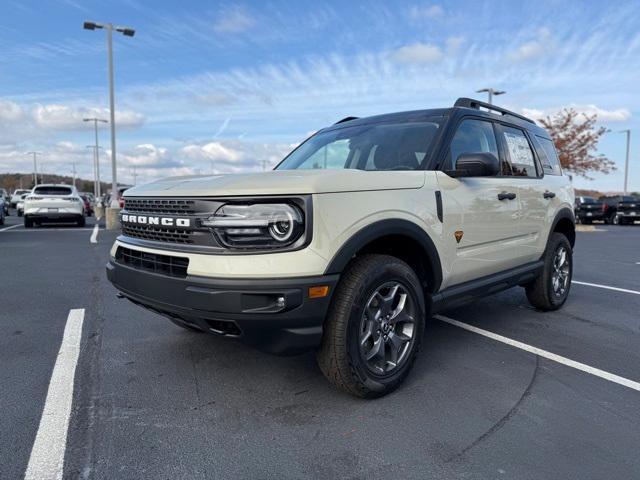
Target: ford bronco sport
(356, 238)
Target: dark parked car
(88, 206)
(5, 196)
(621, 209)
(2, 209)
(588, 209)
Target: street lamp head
(482, 90)
(126, 31)
(498, 92)
(91, 25)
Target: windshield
(52, 190)
(587, 200)
(382, 146)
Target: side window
(550, 160)
(523, 163)
(472, 136)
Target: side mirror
(475, 165)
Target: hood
(279, 182)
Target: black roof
(465, 105)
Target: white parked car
(53, 203)
(20, 204)
(15, 196)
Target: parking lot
(153, 401)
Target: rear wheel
(374, 328)
(551, 289)
(81, 221)
(28, 223)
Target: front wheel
(28, 222)
(551, 289)
(374, 327)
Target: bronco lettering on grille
(164, 221)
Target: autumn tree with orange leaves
(576, 138)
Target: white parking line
(9, 228)
(606, 287)
(47, 455)
(543, 353)
(94, 234)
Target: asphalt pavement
(151, 400)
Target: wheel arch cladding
(565, 223)
(400, 238)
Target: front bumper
(245, 308)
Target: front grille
(157, 234)
(152, 262)
(168, 206)
(194, 209)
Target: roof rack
(345, 119)
(476, 104)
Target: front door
(477, 215)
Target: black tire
(28, 223)
(340, 357)
(614, 219)
(185, 326)
(587, 221)
(540, 292)
(81, 221)
(19, 214)
(1, 219)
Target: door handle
(506, 196)
(548, 195)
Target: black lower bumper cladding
(273, 315)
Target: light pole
(491, 92)
(96, 158)
(626, 161)
(129, 32)
(35, 166)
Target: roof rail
(476, 104)
(345, 119)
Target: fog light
(318, 291)
(280, 302)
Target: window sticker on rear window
(519, 149)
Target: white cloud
(234, 20)
(149, 156)
(534, 48)
(604, 115)
(10, 112)
(65, 117)
(212, 151)
(425, 12)
(418, 53)
(454, 44)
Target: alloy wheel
(387, 328)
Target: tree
(576, 137)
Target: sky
(227, 87)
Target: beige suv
(356, 238)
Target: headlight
(258, 225)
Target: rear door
(484, 229)
(526, 175)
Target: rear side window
(52, 191)
(550, 160)
(472, 136)
(523, 163)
